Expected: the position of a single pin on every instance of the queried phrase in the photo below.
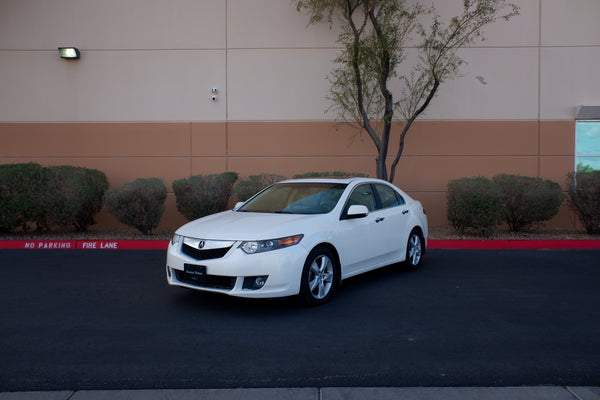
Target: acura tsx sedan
(299, 237)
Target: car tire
(414, 250)
(320, 276)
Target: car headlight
(260, 246)
(176, 239)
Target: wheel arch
(419, 230)
(336, 255)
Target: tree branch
(408, 125)
(366, 124)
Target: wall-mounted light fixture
(69, 52)
(585, 112)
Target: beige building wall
(138, 102)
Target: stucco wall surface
(138, 102)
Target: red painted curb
(513, 244)
(38, 244)
(469, 244)
(85, 244)
(123, 244)
(555, 244)
(163, 244)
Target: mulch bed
(435, 233)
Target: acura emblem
(201, 244)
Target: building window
(587, 145)
(587, 138)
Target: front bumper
(235, 272)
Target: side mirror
(357, 211)
(238, 205)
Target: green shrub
(139, 204)
(583, 195)
(474, 203)
(22, 196)
(63, 195)
(334, 174)
(75, 195)
(202, 195)
(248, 187)
(528, 200)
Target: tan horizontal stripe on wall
(436, 151)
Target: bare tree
(375, 35)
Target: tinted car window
(363, 195)
(296, 198)
(388, 196)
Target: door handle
(378, 220)
(405, 212)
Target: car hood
(233, 225)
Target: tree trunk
(381, 167)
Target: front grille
(210, 281)
(203, 254)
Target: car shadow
(380, 279)
(352, 289)
(189, 299)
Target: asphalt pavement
(509, 324)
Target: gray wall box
(587, 112)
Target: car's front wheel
(319, 277)
(414, 250)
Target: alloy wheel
(414, 250)
(320, 276)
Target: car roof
(332, 180)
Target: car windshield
(296, 198)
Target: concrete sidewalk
(464, 393)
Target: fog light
(255, 282)
(260, 282)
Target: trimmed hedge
(583, 195)
(475, 203)
(202, 195)
(22, 196)
(248, 187)
(76, 195)
(32, 195)
(139, 204)
(528, 200)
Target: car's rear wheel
(414, 250)
(319, 277)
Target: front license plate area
(194, 273)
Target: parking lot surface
(97, 320)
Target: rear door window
(388, 196)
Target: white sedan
(299, 237)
